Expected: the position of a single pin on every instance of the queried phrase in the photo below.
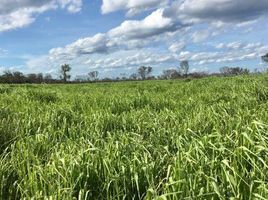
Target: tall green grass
(195, 139)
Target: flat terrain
(182, 139)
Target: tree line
(142, 73)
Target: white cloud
(130, 34)
(119, 46)
(152, 25)
(232, 45)
(238, 46)
(131, 59)
(132, 6)
(73, 6)
(248, 51)
(3, 52)
(9, 6)
(121, 59)
(200, 36)
(96, 44)
(217, 11)
(177, 47)
(36, 64)
(20, 18)
(134, 58)
(17, 14)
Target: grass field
(183, 139)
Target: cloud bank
(154, 39)
(17, 14)
(132, 6)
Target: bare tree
(133, 76)
(224, 71)
(184, 68)
(170, 74)
(48, 78)
(228, 71)
(93, 76)
(65, 69)
(144, 72)
(265, 60)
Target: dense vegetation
(180, 139)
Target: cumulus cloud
(226, 11)
(132, 6)
(200, 36)
(152, 25)
(9, 6)
(20, 18)
(227, 53)
(131, 59)
(238, 45)
(96, 44)
(133, 34)
(17, 14)
(130, 34)
(73, 6)
(177, 46)
(121, 59)
(191, 11)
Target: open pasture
(182, 139)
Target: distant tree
(40, 78)
(246, 71)
(227, 71)
(144, 72)
(133, 76)
(36, 78)
(107, 79)
(32, 78)
(256, 71)
(224, 71)
(184, 68)
(265, 58)
(19, 77)
(65, 69)
(149, 70)
(81, 78)
(93, 76)
(123, 76)
(151, 77)
(170, 74)
(7, 77)
(13, 77)
(78, 79)
(48, 78)
(198, 74)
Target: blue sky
(117, 36)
